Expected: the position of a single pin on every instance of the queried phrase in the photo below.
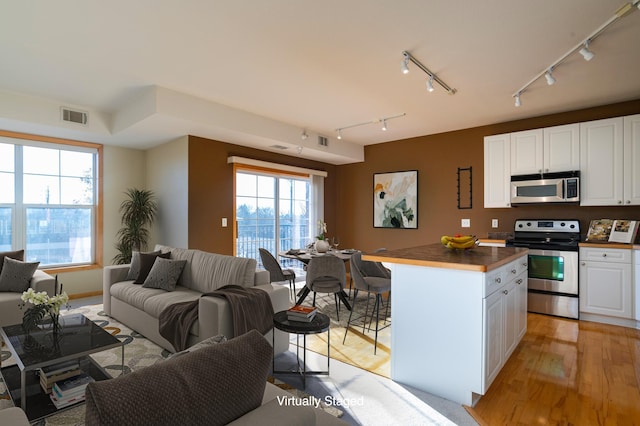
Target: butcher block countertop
(479, 259)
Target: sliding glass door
(272, 212)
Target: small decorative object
(623, 231)
(321, 243)
(599, 230)
(395, 200)
(43, 306)
(459, 242)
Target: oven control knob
(572, 226)
(563, 224)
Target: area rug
(139, 353)
(357, 349)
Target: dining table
(305, 255)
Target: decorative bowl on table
(460, 242)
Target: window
(48, 200)
(272, 212)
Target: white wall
(168, 177)
(122, 169)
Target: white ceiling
(257, 72)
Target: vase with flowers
(321, 243)
(45, 311)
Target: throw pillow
(16, 275)
(17, 255)
(134, 268)
(211, 386)
(203, 344)
(146, 263)
(164, 274)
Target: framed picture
(623, 231)
(599, 230)
(395, 200)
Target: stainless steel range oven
(553, 264)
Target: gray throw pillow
(211, 386)
(164, 274)
(203, 344)
(146, 263)
(134, 268)
(16, 275)
(17, 255)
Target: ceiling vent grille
(323, 141)
(282, 147)
(73, 116)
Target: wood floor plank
(567, 372)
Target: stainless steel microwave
(562, 187)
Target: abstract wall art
(395, 200)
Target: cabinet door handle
(498, 280)
(519, 281)
(525, 264)
(505, 291)
(628, 201)
(513, 271)
(604, 254)
(583, 264)
(619, 201)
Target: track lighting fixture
(304, 135)
(430, 84)
(381, 120)
(582, 48)
(405, 65)
(586, 53)
(432, 77)
(549, 76)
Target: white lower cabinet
(505, 313)
(606, 284)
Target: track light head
(405, 64)
(384, 124)
(430, 87)
(586, 53)
(518, 102)
(339, 133)
(549, 76)
(304, 135)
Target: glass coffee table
(78, 338)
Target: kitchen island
(456, 316)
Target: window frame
(59, 143)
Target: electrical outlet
(494, 223)
(466, 223)
(224, 222)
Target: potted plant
(321, 243)
(138, 211)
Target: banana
(468, 244)
(444, 240)
(463, 239)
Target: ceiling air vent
(322, 141)
(72, 116)
(282, 147)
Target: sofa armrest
(110, 275)
(262, 277)
(214, 318)
(275, 413)
(41, 281)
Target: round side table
(319, 324)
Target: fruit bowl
(460, 242)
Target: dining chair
(326, 274)
(371, 277)
(276, 272)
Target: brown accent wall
(437, 157)
(211, 190)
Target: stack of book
(301, 313)
(70, 391)
(61, 371)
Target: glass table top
(78, 336)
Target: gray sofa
(139, 307)
(10, 312)
(216, 384)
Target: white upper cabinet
(601, 162)
(561, 150)
(631, 186)
(526, 152)
(548, 150)
(497, 173)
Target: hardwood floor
(567, 372)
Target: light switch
(466, 223)
(494, 223)
(224, 222)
